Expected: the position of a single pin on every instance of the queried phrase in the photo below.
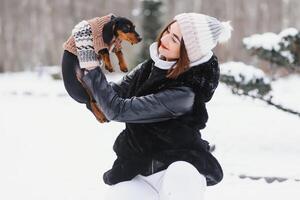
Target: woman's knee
(179, 175)
(184, 173)
(183, 169)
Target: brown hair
(182, 63)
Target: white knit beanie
(201, 33)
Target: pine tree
(245, 79)
(151, 24)
(281, 50)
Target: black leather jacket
(159, 130)
(144, 109)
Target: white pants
(179, 181)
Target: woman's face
(170, 42)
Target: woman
(160, 153)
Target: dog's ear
(108, 31)
(112, 17)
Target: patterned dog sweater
(86, 41)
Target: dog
(123, 29)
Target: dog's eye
(126, 29)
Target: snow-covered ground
(52, 147)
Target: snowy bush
(282, 49)
(244, 78)
(54, 71)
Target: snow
(288, 32)
(285, 91)
(267, 41)
(52, 147)
(288, 55)
(271, 41)
(242, 72)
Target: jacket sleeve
(121, 86)
(160, 106)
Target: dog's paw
(124, 70)
(123, 67)
(110, 69)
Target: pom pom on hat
(201, 33)
(226, 33)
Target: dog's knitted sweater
(86, 41)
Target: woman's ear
(108, 32)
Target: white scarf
(163, 64)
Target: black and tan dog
(124, 29)
(118, 27)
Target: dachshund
(123, 29)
